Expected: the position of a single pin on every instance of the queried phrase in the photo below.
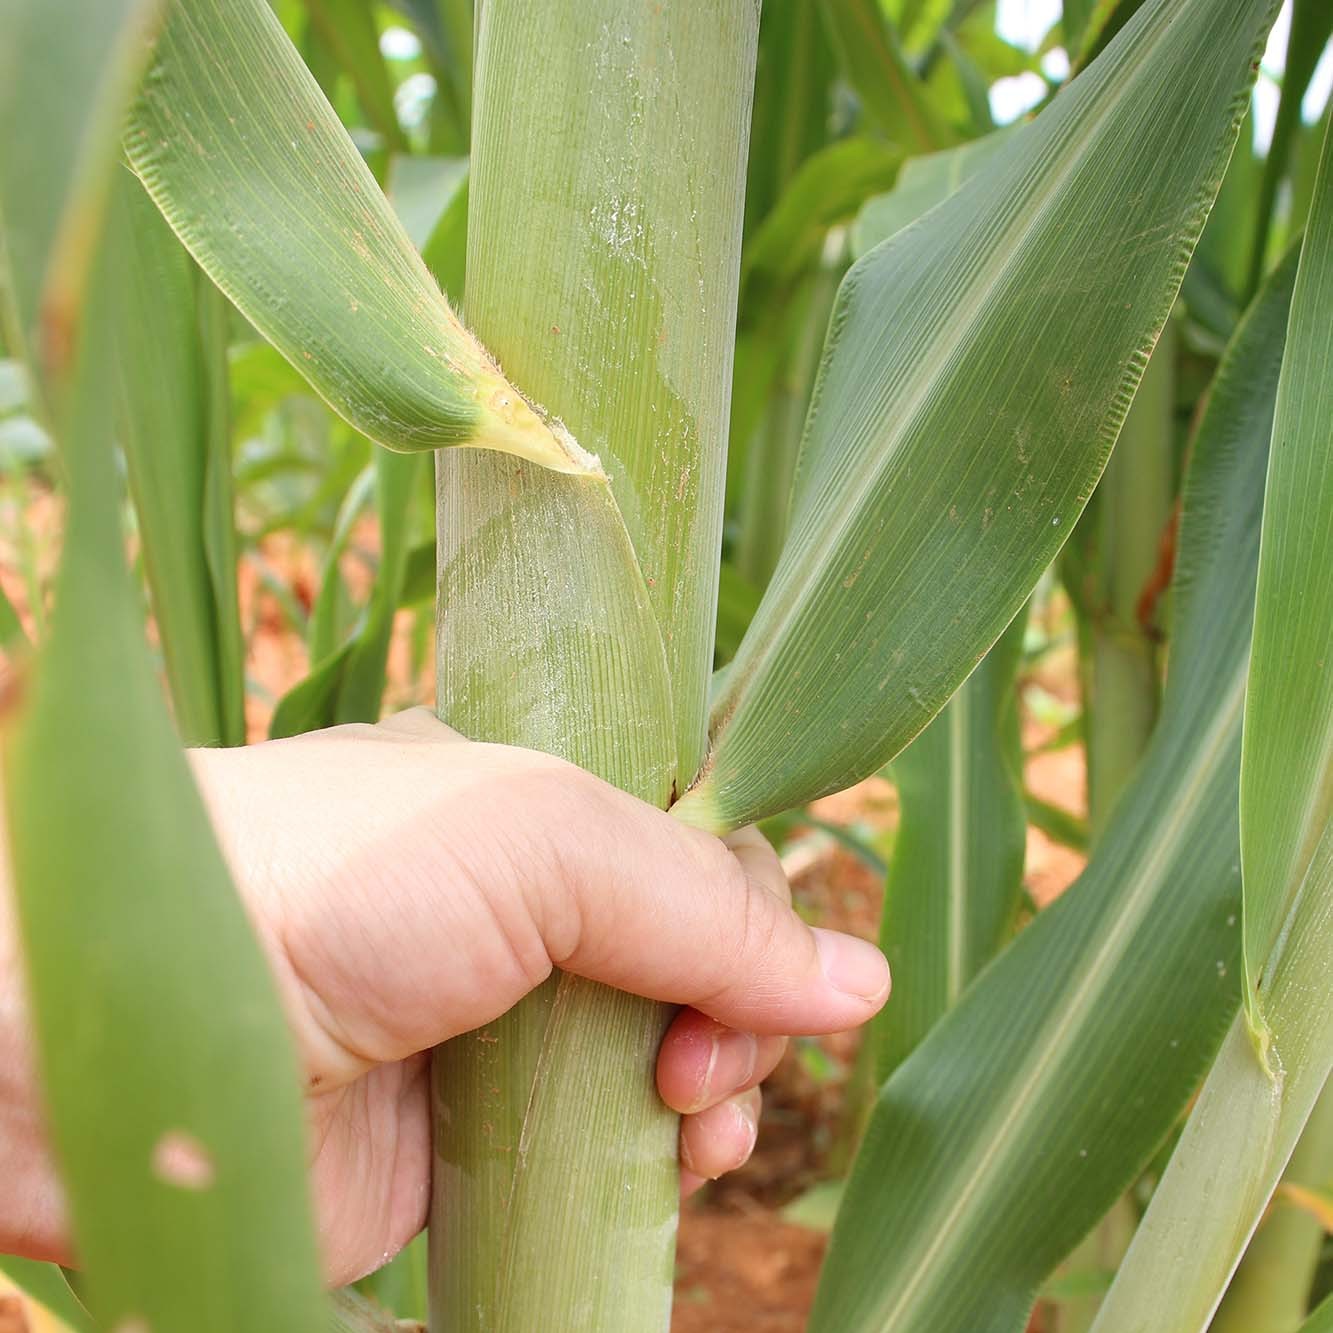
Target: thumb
(679, 916)
(411, 885)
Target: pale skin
(408, 885)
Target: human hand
(341, 843)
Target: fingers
(721, 1138)
(413, 885)
(671, 913)
(702, 1061)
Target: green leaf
(326, 629)
(47, 1285)
(188, 1200)
(1287, 779)
(1311, 24)
(422, 190)
(248, 162)
(827, 189)
(347, 685)
(886, 83)
(173, 428)
(349, 29)
(1056, 822)
(922, 183)
(978, 367)
(56, 133)
(1050, 1084)
(1279, 1052)
(793, 96)
(956, 878)
(1321, 1321)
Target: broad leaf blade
(1287, 780)
(1278, 1054)
(923, 182)
(978, 368)
(98, 47)
(250, 165)
(188, 1200)
(1051, 1083)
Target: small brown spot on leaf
(181, 1160)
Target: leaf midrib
(1041, 1057)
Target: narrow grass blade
(1287, 781)
(888, 86)
(55, 148)
(188, 1200)
(349, 29)
(179, 472)
(828, 188)
(1311, 25)
(978, 368)
(253, 170)
(956, 878)
(1279, 1052)
(1032, 1105)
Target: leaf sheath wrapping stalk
(252, 168)
(603, 260)
(978, 367)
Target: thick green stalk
(608, 165)
(1130, 511)
(1272, 1285)
(770, 462)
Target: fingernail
(748, 1115)
(851, 965)
(731, 1064)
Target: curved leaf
(173, 429)
(978, 367)
(1031, 1106)
(98, 49)
(189, 1199)
(250, 165)
(1279, 1053)
(1287, 781)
